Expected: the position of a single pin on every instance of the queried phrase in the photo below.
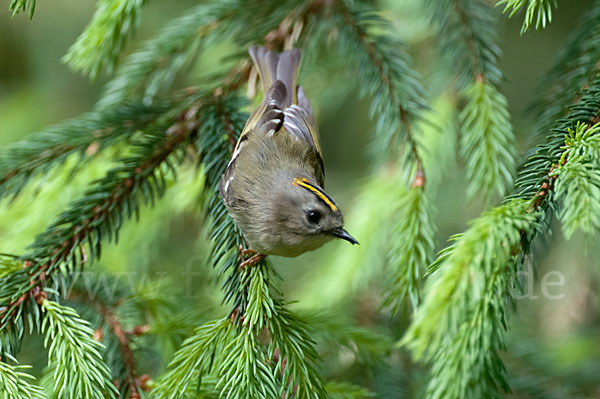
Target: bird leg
(244, 252)
(253, 260)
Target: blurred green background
(37, 89)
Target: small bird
(273, 185)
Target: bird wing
(279, 77)
(299, 120)
(285, 108)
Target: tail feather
(273, 67)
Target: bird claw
(253, 260)
(244, 252)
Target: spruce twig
(386, 74)
(466, 31)
(97, 215)
(111, 320)
(480, 280)
(17, 6)
(88, 135)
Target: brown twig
(126, 351)
(464, 19)
(122, 337)
(548, 183)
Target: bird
(273, 185)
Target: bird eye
(313, 217)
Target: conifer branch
(538, 10)
(296, 363)
(75, 357)
(126, 352)
(465, 309)
(245, 372)
(487, 142)
(384, 73)
(87, 136)
(17, 6)
(466, 32)
(409, 256)
(195, 359)
(98, 215)
(244, 364)
(575, 67)
(536, 179)
(15, 382)
(99, 46)
(578, 180)
(154, 66)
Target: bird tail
(273, 67)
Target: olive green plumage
(272, 186)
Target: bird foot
(245, 252)
(253, 260)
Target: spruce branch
(195, 359)
(9, 264)
(17, 6)
(575, 67)
(15, 382)
(539, 11)
(128, 360)
(578, 180)
(216, 149)
(100, 44)
(408, 257)
(245, 372)
(487, 142)
(536, 179)
(74, 356)
(151, 316)
(466, 31)
(384, 73)
(154, 66)
(98, 215)
(579, 183)
(297, 357)
(87, 136)
(465, 308)
(285, 365)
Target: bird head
(308, 217)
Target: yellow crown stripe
(304, 183)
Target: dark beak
(343, 234)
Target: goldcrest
(273, 185)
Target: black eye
(313, 217)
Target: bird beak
(344, 235)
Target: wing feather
(284, 108)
